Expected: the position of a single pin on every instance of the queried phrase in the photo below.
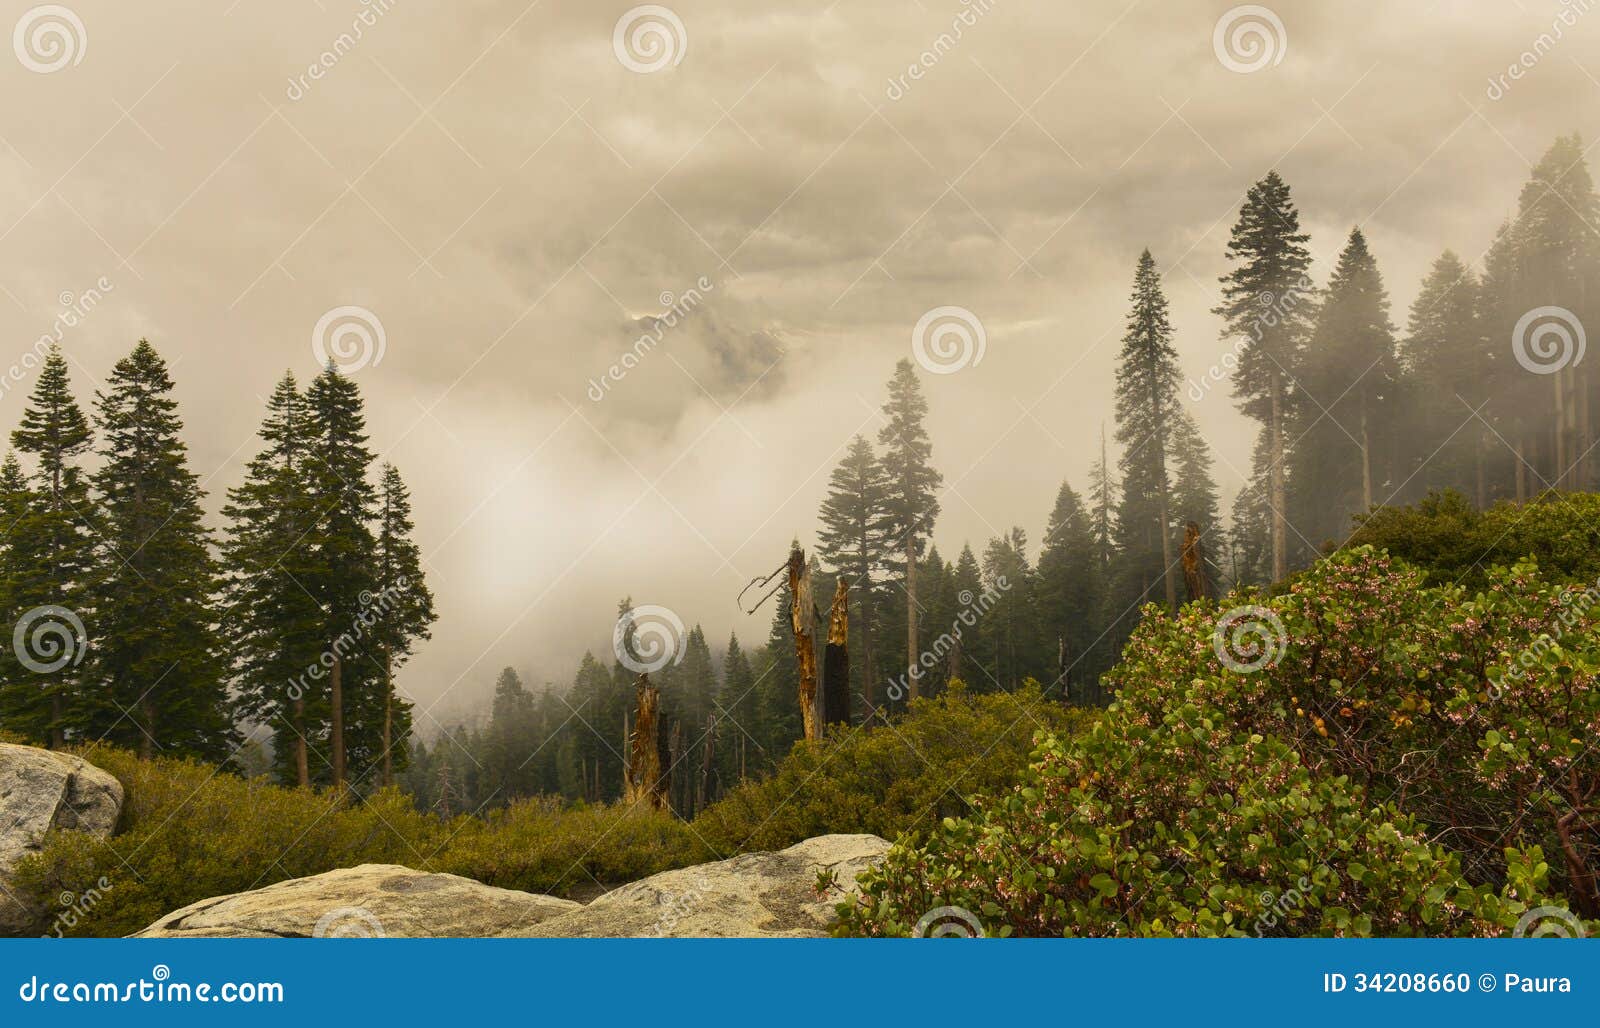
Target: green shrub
(1453, 543)
(902, 777)
(1315, 794)
(538, 846)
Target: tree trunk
(836, 659)
(58, 719)
(645, 782)
(302, 763)
(388, 719)
(802, 618)
(1279, 490)
(1194, 564)
(1560, 381)
(915, 677)
(1169, 576)
(1522, 466)
(869, 670)
(336, 691)
(1366, 463)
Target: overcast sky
(510, 192)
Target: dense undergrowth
(189, 832)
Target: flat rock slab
(41, 790)
(752, 895)
(372, 900)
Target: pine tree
(1452, 373)
(26, 709)
(911, 500)
(1266, 300)
(737, 717)
(1559, 257)
(1194, 491)
(1102, 505)
(405, 607)
(1349, 375)
(853, 541)
(1071, 595)
(276, 627)
(58, 535)
(343, 551)
(1147, 413)
(1516, 397)
(967, 581)
(1009, 618)
(1250, 527)
(156, 654)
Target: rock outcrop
(372, 900)
(41, 790)
(756, 894)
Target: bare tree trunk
(58, 718)
(1279, 489)
(336, 690)
(645, 782)
(915, 677)
(802, 618)
(836, 659)
(1195, 577)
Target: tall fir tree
(156, 653)
(1102, 506)
(1343, 452)
(1194, 490)
(1147, 412)
(1451, 372)
(911, 492)
(1071, 595)
(343, 576)
(405, 608)
(58, 534)
(853, 540)
(26, 710)
(1559, 272)
(1266, 302)
(275, 626)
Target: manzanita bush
(1401, 765)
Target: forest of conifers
(286, 622)
(1482, 391)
